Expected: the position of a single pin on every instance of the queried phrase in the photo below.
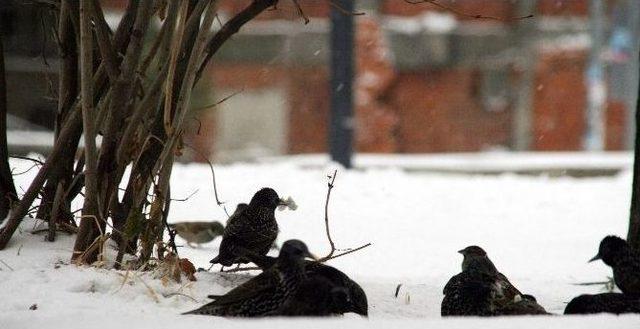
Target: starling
(355, 301)
(625, 262)
(615, 303)
(481, 290)
(266, 293)
(316, 296)
(252, 229)
(469, 292)
(475, 258)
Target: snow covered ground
(539, 231)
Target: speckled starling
(355, 302)
(316, 296)
(266, 293)
(469, 293)
(625, 262)
(475, 258)
(481, 290)
(615, 303)
(252, 229)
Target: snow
(484, 162)
(539, 231)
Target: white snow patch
(539, 231)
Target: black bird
(253, 229)
(481, 290)
(615, 303)
(625, 262)
(476, 259)
(317, 296)
(470, 292)
(321, 274)
(266, 293)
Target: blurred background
(427, 78)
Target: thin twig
(397, 290)
(220, 101)
(179, 294)
(26, 158)
(460, 13)
(597, 283)
(345, 253)
(300, 11)
(344, 11)
(7, 265)
(213, 174)
(187, 197)
(332, 179)
(26, 171)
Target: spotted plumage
(316, 296)
(266, 293)
(322, 274)
(481, 290)
(624, 261)
(615, 303)
(252, 229)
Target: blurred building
(429, 79)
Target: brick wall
(432, 109)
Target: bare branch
(55, 213)
(220, 101)
(109, 56)
(176, 47)
(213, 174)
(300, 11)
(90, 208)
(332, 179)
(232, 27)
(344, 11)
(346, 252)
(463, 14)
(26, 158)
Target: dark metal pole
(341, 122)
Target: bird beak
(312, 256)
(596, 257)
(461, 251)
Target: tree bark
(633, 236)
(67, 91)
(91, 216)
(7, 189)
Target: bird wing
(247, 235)
(509, 291)
(627, 275)
(260, 284)
(263, 261)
